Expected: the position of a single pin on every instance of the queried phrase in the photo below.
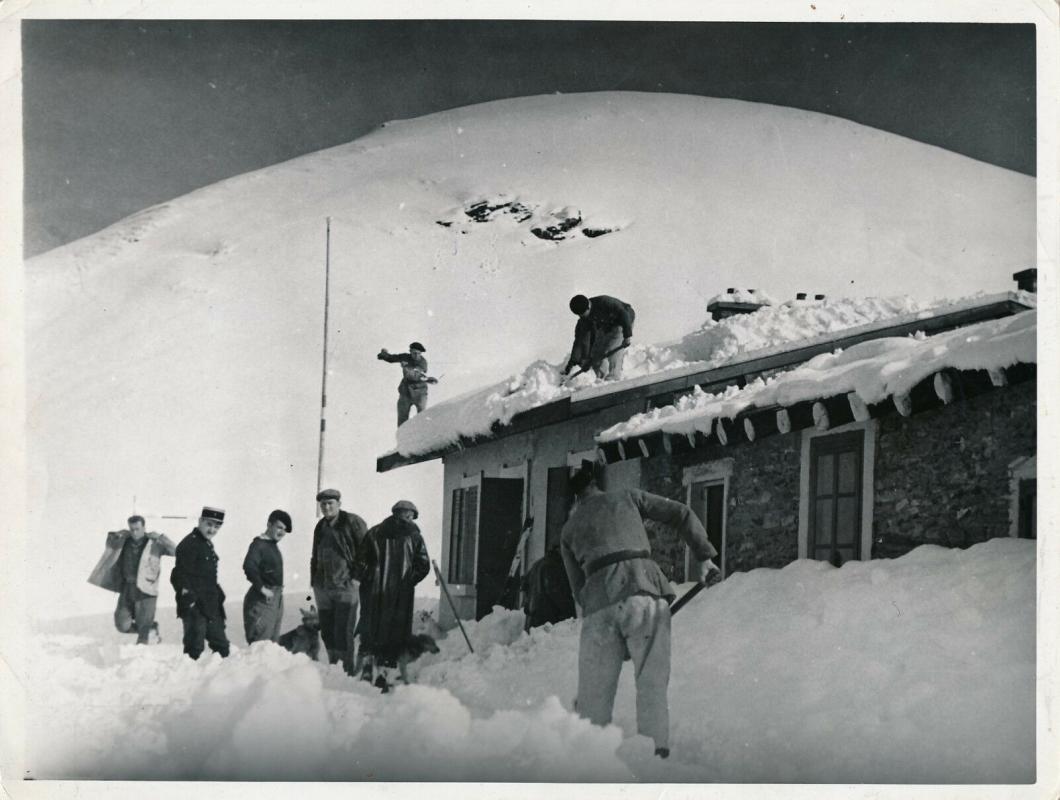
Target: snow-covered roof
(873, 370)
(775, 336)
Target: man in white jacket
(130, 566)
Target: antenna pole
(324, 373)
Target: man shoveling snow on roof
(624, 597)
(601, 335)
(412, 391)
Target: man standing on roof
(263, 566)
(412, 391)
(601, 335)
(337, 540)
(624, 597)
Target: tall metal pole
(324, 373)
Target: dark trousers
(338, 621)
(410, 398)
(262, 616)
(199, 630)
(135, 612)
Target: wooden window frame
(869, 430)
(719, 471)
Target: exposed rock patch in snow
(555, 224)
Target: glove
(707, 572)
(382, 354)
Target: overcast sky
(120, 115)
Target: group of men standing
(352, 569)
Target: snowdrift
(916, 670)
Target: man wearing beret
(332, 570)
(200, 600)
(412, 391)
(263, 566)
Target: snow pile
(919, 669)
(264, 714)
(714, 344)
(874, 370)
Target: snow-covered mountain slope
(175, 356)
(914, 670)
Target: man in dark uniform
(412, 391)
(332, 567)
(200, 600)
(603, 331)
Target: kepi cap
(209, 512)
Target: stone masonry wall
(942, 477)
(763, 505)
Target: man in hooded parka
(394, 559)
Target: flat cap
(328, 494)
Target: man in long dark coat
(200, 599)
(394, 560)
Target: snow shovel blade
(684, 599)
(608, 354)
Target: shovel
(608, 354)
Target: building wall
(535, 452)
(942, 477)
(762, 524)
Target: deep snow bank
(916, 670)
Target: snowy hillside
(916, 670)
(174, 358)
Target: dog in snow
(306, 637)
(416, 646)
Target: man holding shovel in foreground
(624, 597)
(601, 335)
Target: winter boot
(366, 671)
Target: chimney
(732, 303)
(1026, 280)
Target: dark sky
(120, 115)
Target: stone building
(795, 464)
